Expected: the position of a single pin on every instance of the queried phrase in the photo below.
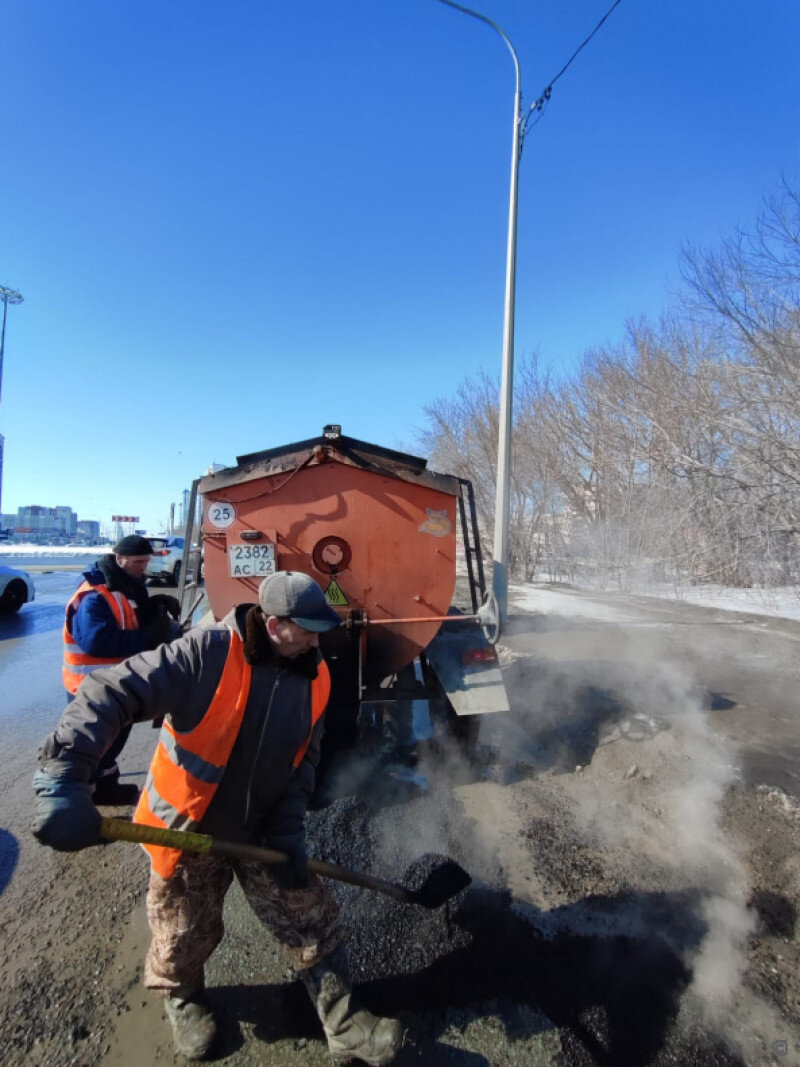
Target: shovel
(441, 884)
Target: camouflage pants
(185, 917)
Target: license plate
(251, 561)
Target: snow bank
(53, 550)
(781, 602)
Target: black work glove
(65, 817)
(170, 603)
(159, 629)
(291, 875)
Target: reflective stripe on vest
(187, 767)
(77, 663)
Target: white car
(167, 559)
(16, 589)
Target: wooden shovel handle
(120, 830)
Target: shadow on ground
(9, 857)
(614, 999)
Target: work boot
(109, 790)
(353, 1033)
(193, 1026)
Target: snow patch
(782, 602)
(53, 550)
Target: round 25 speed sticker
(221, 515)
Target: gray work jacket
(261, 793)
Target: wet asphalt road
(32, 700)
(746, 667)
(30, 675)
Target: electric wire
(544, 97)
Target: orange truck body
(374, 528)
(378, 531)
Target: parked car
(16, 589)
(167, 559)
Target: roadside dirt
(635, 900)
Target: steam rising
(642, 813)
(597, 803)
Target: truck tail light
(474, 657)
(161, 552)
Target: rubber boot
(353, 1033)
(193, 1026)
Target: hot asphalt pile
(612, 999)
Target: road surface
(631, 830)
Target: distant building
(46, 525)
(66, 522)
(7, 524)
(88, 531)
(183, 509)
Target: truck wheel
(14, 596)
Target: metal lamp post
(9, 296)
(501, 516)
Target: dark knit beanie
(133, 545)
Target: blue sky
(234, 223)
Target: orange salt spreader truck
(383, 536)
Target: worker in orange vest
(108, 618)
(243, 702)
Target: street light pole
(501, 511)
(10, 296)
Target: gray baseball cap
(297, 596)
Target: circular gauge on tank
(331, 555)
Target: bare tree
(675, 454)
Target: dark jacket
(261, 794)
(93, 625)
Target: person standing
(110, 617)
(244, 704)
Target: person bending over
(243, 704)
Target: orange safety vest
(187, 767)
(77, 663)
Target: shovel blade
(441, 884)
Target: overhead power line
(544, 97)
